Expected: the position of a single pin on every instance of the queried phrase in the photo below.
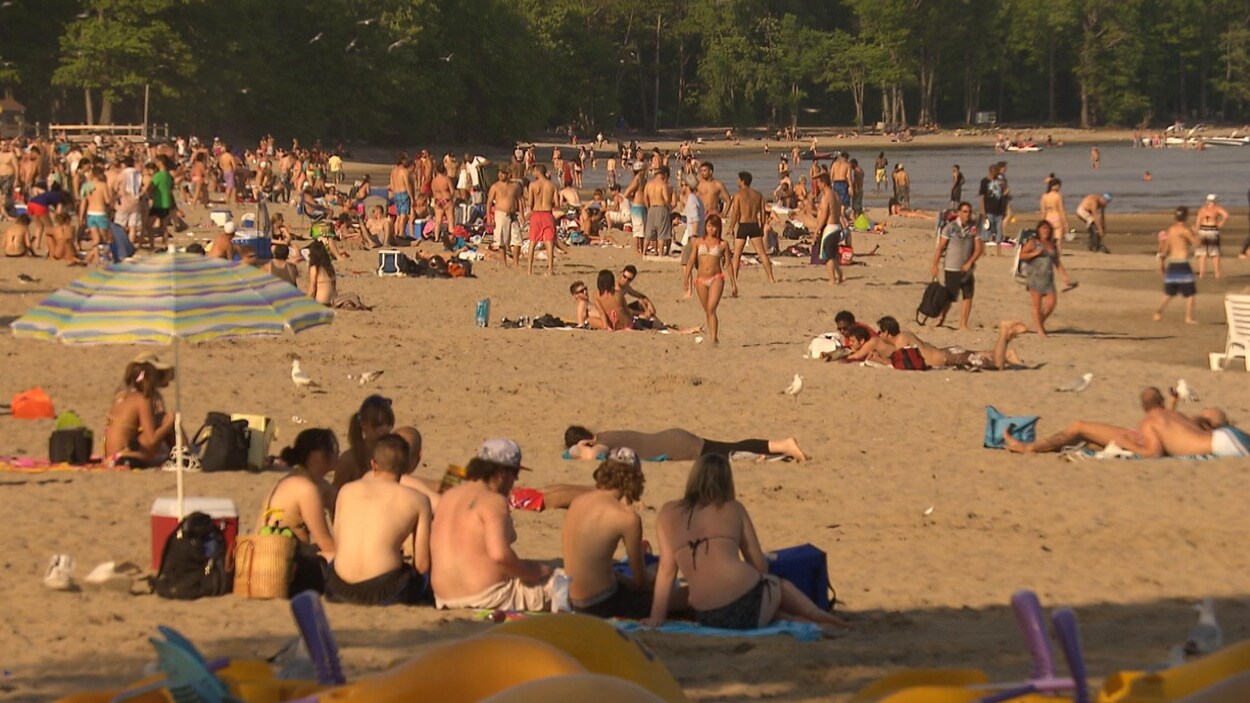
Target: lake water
(1181, 177)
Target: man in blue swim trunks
(402, 186)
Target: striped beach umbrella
(169, 298)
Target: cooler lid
(167, 506)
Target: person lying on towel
(1162, 432)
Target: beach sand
(1128, 544)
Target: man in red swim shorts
(540, 198)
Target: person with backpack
(959, 247)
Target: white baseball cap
(1212, 197)
(502, 451)
(230, 227)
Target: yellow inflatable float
(576, 688)
(601, 648)
(1179, 681)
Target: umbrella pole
(179, 449)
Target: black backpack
(194, 561)
(70, 446)
(934, 300)
(227, 445)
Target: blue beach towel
(801, 631)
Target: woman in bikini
(374, 419)
(323, 281)
(137, 428)
(1053, 211)
(702, 536)
(713, 258)
(1042, 255)
(296, 506)
(610, 302)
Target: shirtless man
(540, 198)
(746, 209)
(596, 524)
(1162, 432)
(840, 177)
(637, 207)
(228, 165)
(902, 187)
(1211, 217)
(658, 196)
(471, 540)
(829, 224)
(1178, 277)
(712, 192)
(18, 240)
(374, 517)
(1093, 212)
(443, 201)
(996, 359)
(223, 244)
(585, 315)
(878, 169)
(402, 187)
(8, 175)
(505, 197)
(96, 211)
(643, 307)
(423, 176)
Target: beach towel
(733, 456)
(801, 631)
(1024, 427)
(27, 465)
(1114, 452)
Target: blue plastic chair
(314, 629)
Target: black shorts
(624, 603)
(161, 212)
(403, 586)
(749, 230)
(958, 282)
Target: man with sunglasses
(961, 248)
(587, 315)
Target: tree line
(492, 70)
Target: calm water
(1181, 177)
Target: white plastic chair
(1237, 311)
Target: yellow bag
(263, 566)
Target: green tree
(123, 47)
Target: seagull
(369, 376)
(1206, 637)
(317, 38)
(396, 44)
(1186, 392)
(1078, 385)
(795, 387)
(299, 378)
(26, 279)
(367, 22)
(447, 58)
(351, 44)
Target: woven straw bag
(263, 565)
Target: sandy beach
(1129, 544)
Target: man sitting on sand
(17, 238)
(1163, 432)
(586, 315)
(471, 541)
(671, 445)
(597, 522)
(374, 518)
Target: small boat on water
(818, 155)
(1023, 148)
(1226, 141)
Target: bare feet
(1014, 328)
(790, 447)
(1157, 317)
(1191, 322)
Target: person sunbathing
(701, 536)
(296, 506)
(1162, 432)
(995, 359)
(596, 523)
(672, 445)
(137, 430)
(375, 517)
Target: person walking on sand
(961, 248)
(1211, 217)
(402, 187)
(1051, 206)
(957, 187)
(829, 224)
(634, 192)
(505, 197)
(540, 198)
(1178, 278)
(878, 169)
(706, 536)
(840, 178)
(902, 187)
(658, 195)
(746, 210)
(714, 262)
(712, 192)
(993, 206)
(1095, 158)
(1043, 257)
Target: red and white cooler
(164, 518)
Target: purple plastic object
(1070, 639)
(1009, 694)
(1032, 626)
(318, 638)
